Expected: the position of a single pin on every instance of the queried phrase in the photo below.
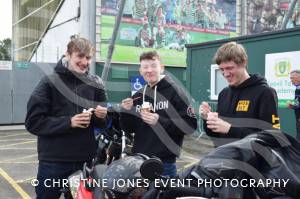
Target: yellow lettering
(276, 126)
(275, 122)
(243, 105)
(275, 119)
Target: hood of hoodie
(62, 68)
(251, 90)
(164, 82)
(254, 80)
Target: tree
(5, 49)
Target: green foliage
(5, 49)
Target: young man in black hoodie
(159, 114)
(247, 105)
(55, 113)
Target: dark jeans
(169, 169)
(50, 177)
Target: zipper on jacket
(76, 95)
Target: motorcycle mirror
(151, 169)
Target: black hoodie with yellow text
(248, 107)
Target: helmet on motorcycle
(123, 176)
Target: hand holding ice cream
(204, 109)
(147, 114)
(146, 107)
(212, 115)
(82, 120)
(216, 124)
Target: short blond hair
(231, 51)
(80, 45)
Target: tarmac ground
(18, 161)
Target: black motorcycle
(262, 165)
(113, 144)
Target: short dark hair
(81, 45)
(150, 55)
(295, 71)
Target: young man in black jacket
(159, 114)
(55, 113)
(247, 105)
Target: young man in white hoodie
(160, 128)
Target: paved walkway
(18, 160)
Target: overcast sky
(5, 18)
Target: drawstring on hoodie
(155, 88)
(65, 62)
(144, 94)
(155, 92)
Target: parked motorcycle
(259, 158)
(268, 156)
(113, 143)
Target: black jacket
(176, 118)
(249, 107)
(56, 99)
(296, 105)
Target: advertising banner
(277, 73)
(165, 25)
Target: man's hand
(100, 111)
(289, 104)
(218, 125)
(81, 120)
(149, 118)
(204, 109)
(127, 104)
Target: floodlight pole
(112, 42)
(88, 25)
(288, 14)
